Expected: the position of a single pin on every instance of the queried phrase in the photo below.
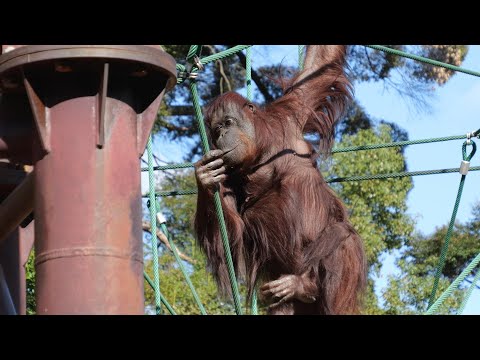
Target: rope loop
(464, 149)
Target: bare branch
(224, 76)
(171, 127)
(178, 110)
(161, 236)
(221, 69)
(370, 62)
(470, 282)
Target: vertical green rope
(182, 269)
(248, 75)
(218, 204)
(443, 254)
(194, 50)
(469, 293)
(301, 56)
(254, 307)
(453, 286)
(162, 298)
(153, 228)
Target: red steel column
(93, 109)
(89, 255)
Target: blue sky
(455, 109)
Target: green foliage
(178, 294)
(370, 301)
(179, 211)
(30, 277)
(409, 291)
(412, 80)
(377, 211)
(176, 291)
(377, 207)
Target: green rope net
(194, 58)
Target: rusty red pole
(94, 107)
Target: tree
(413, 81)
(179, 212)
(30, 286)
(377, 207)
(409, 291)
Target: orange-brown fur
(282, 217)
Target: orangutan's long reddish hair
(282, 217)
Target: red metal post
(87, 209)
(93, 106)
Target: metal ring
(198, 62)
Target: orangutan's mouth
(227, 151)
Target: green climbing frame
(190, 73)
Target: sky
(455, 109)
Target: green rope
(469, 293)
(397, 175)
(218, 204)
(444, 250)
(347, 148)
(301, 56)
(254, 307)
(171, 167)
(248, 75)
(223, 54)
(176, 192)
(182, 268)
(180, 68)
(443, 253)
(349, 178)
(153, 222)
(162, 298)
(194, 50)
(453, 286)
(423, 59)
(397, 143)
